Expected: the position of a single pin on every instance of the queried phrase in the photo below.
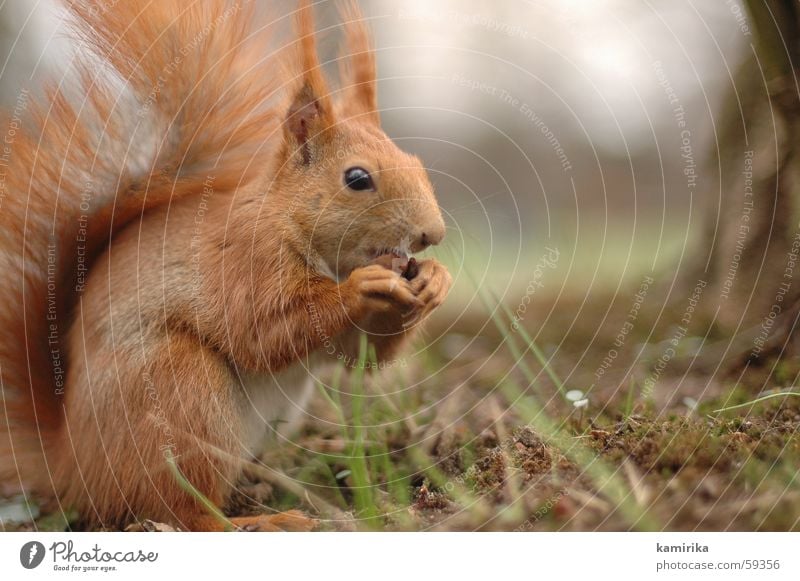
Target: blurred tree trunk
(751, 227)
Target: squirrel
(184, 229)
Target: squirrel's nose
(432, 234)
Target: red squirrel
(185, 230)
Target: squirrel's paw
(431, 286)
(378, 289)
(290, 521)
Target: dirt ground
(469, 434)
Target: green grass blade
(757, 400)
(188, 487)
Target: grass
(750, 404)
(188, 487)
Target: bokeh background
(549, 122)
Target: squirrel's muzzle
(431, 234)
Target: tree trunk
(751, 259)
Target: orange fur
(233, 253)
(358, 69)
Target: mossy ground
(471, 432)
(475, 436)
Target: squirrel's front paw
(431, 285)
(377, 289)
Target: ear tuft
(358, 70)
(310, 113)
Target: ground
(472, 431)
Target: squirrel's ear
(357, 69)
(310, 113)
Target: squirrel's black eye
(358, 179)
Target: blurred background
(549, 122)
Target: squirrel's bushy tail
(166, 96)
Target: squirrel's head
(353, 194)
